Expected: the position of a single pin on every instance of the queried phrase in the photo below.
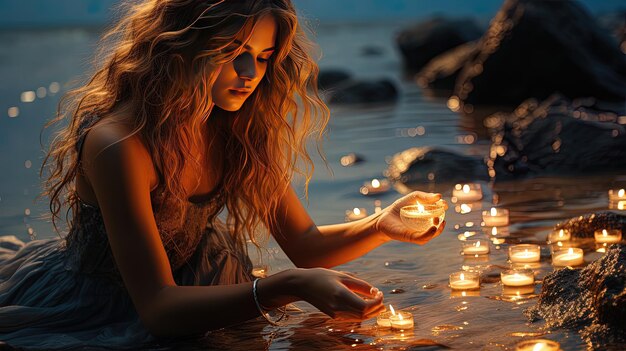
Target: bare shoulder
(112, 145)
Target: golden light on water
(28, 96)
(54, 88)
(41, 92)
(13, 112)
(28, 164)
(454, 104)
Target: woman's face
(238, 79)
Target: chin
(229, 107)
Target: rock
(554, 137)
(534, 48)
(441, 72)
(584, 226)
(372, 51)
(591, 300)
(421, 165)
(423, 41)
(330, 78)
(361, 92)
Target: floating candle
(538, 345)
(616, 195)
(559, 235)
(355, 214)
(422, 217)
(524, 253)
(466, 234)
(609, 236)
(383, 318)
(496, 217)
(375, 186)
(464, 281)
(518, 290)
(517, 277)
(467, 192)
(568, 257)
(476, 247)
(402, 320)
(617, 205)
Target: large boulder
(425, 40)
(331, 78)
(583, 227)
(440, 74)
(534, 48)
(590, 300)
(557, 136)
(419, 165)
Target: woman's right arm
(120, 174)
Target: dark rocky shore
(591, 300)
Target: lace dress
(67, 292)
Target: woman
(199, 106)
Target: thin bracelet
(261, 310)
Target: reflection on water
(490, 318)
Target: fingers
(358, 307)
(359, 286)
(432, 233)
(424, 198)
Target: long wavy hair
(162, 58)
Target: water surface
(34, 59)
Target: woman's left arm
(308, 245)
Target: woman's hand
(339, 295)
(390, 224)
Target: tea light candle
(467, 234)
(619, 205)
(609, 236)
(518, 290)
(617, 195)
(402, 320)
(517, 277)
(383, 318)
(464, 281)
(356, 213)
(524, 253)
(496, 217)
(559, 235)
(467, 192)
(568, 257)
(375, 186)
(475, 247)
(421, 217)
(538, 345)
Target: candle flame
(375, 183)
(462, 276)
(466, 188)
(494, 211)
(604, 233)
(392, 310)
(494, 231)
(558, 243)
(420, 208)
(620, 193)
(400, 316)
(356, 211)
(538, 346)
(570, 251)
(478, 244)
(561, 234)
(467, 234)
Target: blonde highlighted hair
(162, 59)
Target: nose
(245, 67)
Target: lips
(240, 92)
